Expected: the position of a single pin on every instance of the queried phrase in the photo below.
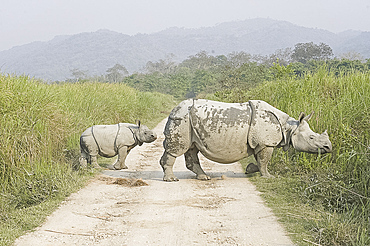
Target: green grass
(306, 222)
(40, 126)
(323, 199)
(33, 199)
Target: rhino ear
(138, 122)
(301, 116)
(308, 117)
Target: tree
(236, 59)
(244, 77)
(304, 52)
(202, 81)
(163, 66)
(283, 56)
(352, 56)
(116, 73)
(78, 74)
(280, 71)
(203, 61)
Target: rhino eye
(312, 136)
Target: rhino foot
(203, 177)
(118, 167)
(170, 178)
(251, 168)
(83, 162)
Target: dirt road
(226, 210)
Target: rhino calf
(229, 132)
(111, 140)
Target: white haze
(25, 21)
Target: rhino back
(220, 130)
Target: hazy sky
(25, 21)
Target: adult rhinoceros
(228, 132)
(111, 140)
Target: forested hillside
(94, 53)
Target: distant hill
(97, 51)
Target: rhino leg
(84, 158)
(122, 154)
(193, 164)
(89, 152)
(83, 162)
(167, 162)
(263, 158)
(94, 161)
(251, 168)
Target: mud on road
(135, 207)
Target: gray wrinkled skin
(111, 140)
(229, 132)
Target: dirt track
(226, 210)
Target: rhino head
(305, 140)
(143, 134)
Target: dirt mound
(128, 182)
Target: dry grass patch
(128, 182)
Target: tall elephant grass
(104, 103)
(40, 125)
(337, 184)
